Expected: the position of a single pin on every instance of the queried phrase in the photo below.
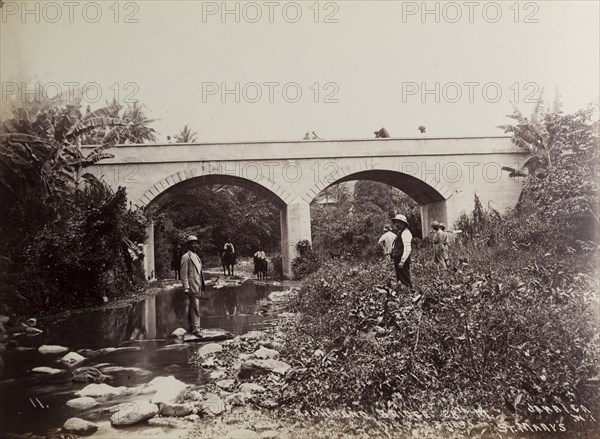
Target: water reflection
(146, 325)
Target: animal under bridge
(440, 174)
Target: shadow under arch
(175, 190)
(422, 192)
(430, 196)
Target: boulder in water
(130, 413)
(209, 348)
(52, 349)
(72, 358)
(175, 409)
(79, 426)
(100, 390)
(88, 374)
(83, 403)
(46, 370)
(168, 389)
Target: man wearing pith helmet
(401, 250)
(192, 279)
(438, 246)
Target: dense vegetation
(513, 322)
(214, 214)
(65, 237)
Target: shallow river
(140, 332)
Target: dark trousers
(403, 274)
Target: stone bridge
(440, 174)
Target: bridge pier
(295, 227)
(433, 211)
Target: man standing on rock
(401, 250)
(192, 279)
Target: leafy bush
(306, 262)
(277, 266)
(523, 330)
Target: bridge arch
(430, 195)
(188, 178)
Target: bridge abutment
(295, 227)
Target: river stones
(251, 388)
(269, 434)
(166, 422)
(52, 349)
(168, 389)
(271, 344)
(225, 384)
(257, 367)
(253, 335)
(242, 433)
(46, 370)
(87, 374)
(179, 332)
(212, 404)
(175, 409)
(101, 390)
(237, 398)
(72, 358)
(79, 426)
(210, 348)
(215, 335)
(82, 403)
(130, 413)
(112, 370)
(266, 353)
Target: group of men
(396, 245)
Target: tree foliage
(62, 230)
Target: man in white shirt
(401, 250)
(386, 241)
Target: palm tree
(186, 135)
(533, 136)
(138, 129)
(40, 150)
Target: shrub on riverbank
(494, 335)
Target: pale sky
(373, 63)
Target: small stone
(192, 418)
(179, 332)
(83, 403)
(52, 349)
(99, 390)
(217, 375)
(79, 426)
(166, 423)
(209, 348)
(130, 413)
(241, 434)
(271, 344)
(225, 384)
(318, 353)
(215, 334)
(265, 353)
(72, 358)
(253, 335)
(46, 370)
(168, 389)
(268, 404)
(126, 370)
(245, 357)
(33, 331)
(236, 399)
(87, 374)
(212, 404)
(269, 434)
(251, 388)
(174, 409)
(257, 367)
